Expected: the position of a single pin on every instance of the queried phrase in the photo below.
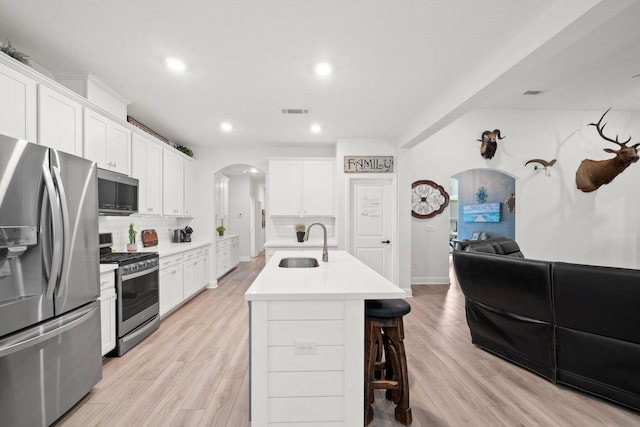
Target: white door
(372, 207)
(252, 226)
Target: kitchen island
(307, 339)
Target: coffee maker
(182, 235)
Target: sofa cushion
(515, 285)
(599, 300)
(495, 245)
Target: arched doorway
(484, 204)
(239, 198)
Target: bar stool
(384, 333)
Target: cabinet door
(206, 271)
(60, 122)
(18, 105)
(171, 288)
(318, 188)
(172, 183)
(192, 276)
(119, 148)
(285, 187)
(95, 138)
(146, 165)
(154, 178)
(188, 187)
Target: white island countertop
(343, 277)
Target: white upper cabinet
(318, 178)
(107, 143)
(189, 181)
(59, 121)
(146, 165)
(301, 187)
(18, 105)
(172, 183)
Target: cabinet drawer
(305, 384)
(298, 310)
(192, 253)
(107, 281)
(321, 332)
(306, 409)
(166, 262)
(327, 358)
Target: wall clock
(428, 199)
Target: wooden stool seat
(384, 335)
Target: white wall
(554, 221)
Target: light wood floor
(194, 372)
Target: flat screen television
(486, 212)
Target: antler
(601, 129)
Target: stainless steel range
(137, 290)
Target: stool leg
(396, 336)
(369, 369)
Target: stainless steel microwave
(117, 193)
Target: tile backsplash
(119, 227)
(284, 228)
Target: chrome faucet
(325, 253)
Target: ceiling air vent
(295, 111)
(533, 92)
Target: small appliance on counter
(149, 238)
(182, 235)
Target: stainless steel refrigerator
(50, 351)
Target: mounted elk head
(592, 174)
(489, 143)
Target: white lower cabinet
(182, 276)
(193, 272)
(108, 300)
(227, 254)
(171, 283)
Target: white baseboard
(212, 284)
(430, 281)
(245, 258)
(408, 293)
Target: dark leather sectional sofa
(577, 325)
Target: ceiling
(402, 69)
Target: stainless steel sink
(298, 262)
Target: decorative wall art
(428, 199)
(481, 195)
(592, 174)
(510, 202)
(486, 212)
(489, 143)
(540, 163)
(368, 164)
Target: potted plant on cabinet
(300, 228)
(131, 246)
(221, 229)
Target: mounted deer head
(592, 174)
(489, 143)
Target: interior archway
(239, 194)
(484, 205)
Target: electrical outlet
(430, 227)
(305, 348)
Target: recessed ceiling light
(315, 128)
(323, 69)
(226, 126)
(175, 64)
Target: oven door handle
(138, 273)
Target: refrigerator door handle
(56, 259)
(66, 240)
(45, 332)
